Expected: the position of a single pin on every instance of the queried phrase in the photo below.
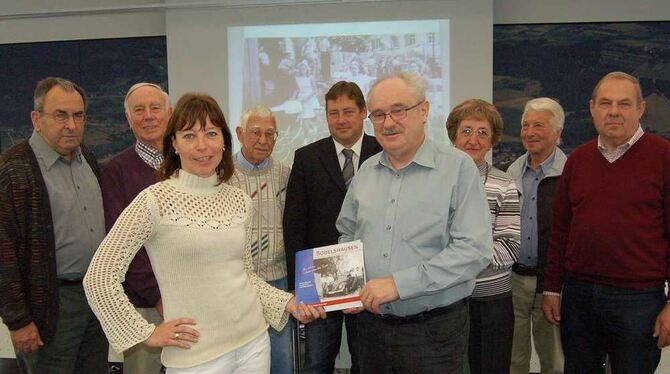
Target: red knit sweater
(611, 221)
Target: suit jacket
(314, 197)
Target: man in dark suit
(319, 178)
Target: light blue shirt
(246, 165)
(531, 180)
(426, 224)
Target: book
(330, 276)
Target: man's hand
(662, 327)
(177, 333)
(27, 338)
(377, 292)
(551, 307)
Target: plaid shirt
(148, 154)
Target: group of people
(182, 254)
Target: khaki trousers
(528, 317)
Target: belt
(525, 271)
(423, 316)
(69, 282)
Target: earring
(224, 149)
(176, 152)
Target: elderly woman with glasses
(475, 126)
(196, 229)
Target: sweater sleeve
(506, 228)
(14, 308)
(272, 299)
(554, 270)
(122, 324)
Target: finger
(657, 329)
(184, 321)
(184, 329)
(557, 314)
(179, 343)
(185, 336)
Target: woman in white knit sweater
(195, 229)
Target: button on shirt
(76, 207)
(531, 180)
(426, 224)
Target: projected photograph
(564, 62)
(290, 68)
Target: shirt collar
(638, 134)
(43, 151)
(149, 154)
(245, 164)
(483, 168)
(356, 147)
(425, 156)
(545, 166)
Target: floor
(8, 366)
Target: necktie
(348, 168)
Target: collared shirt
(149, 154)
(246, 165)
(76, 207)
(354, 158)
(426, 225)
(619, 151)
(531, 180)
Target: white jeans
(251, 358)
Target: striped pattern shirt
(267, 189)
(503, 200)
(619, 151)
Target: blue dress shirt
(426, 224)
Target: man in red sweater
(610, 242)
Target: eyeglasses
(396, 114)
(63, 117)
(481, 133)
(256, 133)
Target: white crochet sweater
(197, 237)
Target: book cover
(330, 276)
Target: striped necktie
(348, 168)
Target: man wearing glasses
(321, 174)
(265, 179)
(51, 223)
(148, 110)
(420, 210)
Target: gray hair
(45, 85)
(548, 105)
(258, 110)
(415, 82)
(136, 86)
(619, 75)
